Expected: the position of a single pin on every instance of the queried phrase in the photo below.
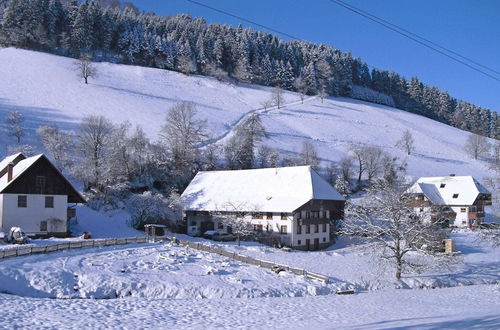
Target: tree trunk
(86, 80)
(238, 239)
(398, 271)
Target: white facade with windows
(35, 214)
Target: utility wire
(254, 23)
(373, 18)
(420, 37)
(244, 19)
(409, 36)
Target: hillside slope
(47, 90)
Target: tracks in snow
(247, 114)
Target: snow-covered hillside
(47, 90)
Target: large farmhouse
(462, 194)
(293, 203)
(34, 195)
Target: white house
(465, 196)
(293, 203)
(34, 195)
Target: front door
(316, 243)
(308, 244)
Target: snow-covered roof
(282, 189)
(449, 190)
(18, 169)
(7, 160)
(23, 165)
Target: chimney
(10, 168)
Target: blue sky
(471, 28)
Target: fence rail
(251, 260)
(21, 251)
(7, 253)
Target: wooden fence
(251, 260)
(21, 251)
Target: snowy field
(472, 307)
(159, 270)
(358, 266)
(47, 90)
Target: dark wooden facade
(45, 179)
(335, 208)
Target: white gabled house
(293, 203)
(464, 195)
(34, 195)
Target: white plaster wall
(29, 218)
(324, 237)
(275, 225)
(461, 216)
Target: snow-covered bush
(148, 208)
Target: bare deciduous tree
(358, 152)
(300, 86)
(345, 165)
(94, 137)
(85, 67)
(477, 146)
(387, 219)
(183, 133)
(308, 155)
(406, 143)
(14, 120)
(374, 157)
(59, 144)
(277, 97)
(234, 215)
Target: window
(308, 214)
(40, 183)
(442, 185)
(220, 225)
(316, 228)
(324, 227)
(269, 215)
(463, 210)
(257, 228)
(283, 230)
(283, 216)
(43, 226)
(299, 242)
(257, 216)
(49, 202)
(455, 195)
(315, 214)
(308, 229)
(324, 239)
(299, 229)
(22, 201)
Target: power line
(401, 31)
(253, 22)
(244, 19)
(422, 38)
(371, 17)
